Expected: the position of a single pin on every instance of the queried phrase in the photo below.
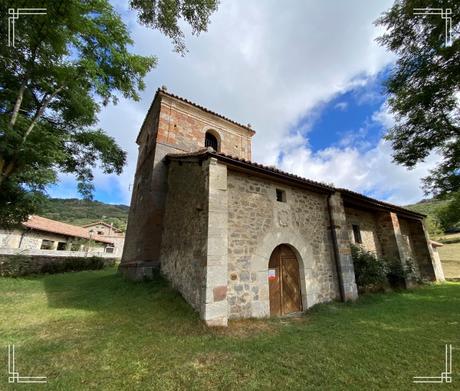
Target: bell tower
(172, 125)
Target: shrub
(370, 271)
(373, 272)
(21, 265)
(73, 264)
(397, 272)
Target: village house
(41, 236)
(239, 239)
(109, 232)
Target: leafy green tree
(424, 90)
(449, 215)
(63, 67)
(165, 15)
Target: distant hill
(81, 212)
(428, 207)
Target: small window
(47, 244)
(61, 246)
(357, 233)
(109, 249)
(75, 247)
(280, 195)
(211, 141)
(100, 232)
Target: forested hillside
(433, 209)
(428, 207)
(80, 212)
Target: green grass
(450, 254)
(92, 330)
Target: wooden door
(284, 282)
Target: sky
(307, 77)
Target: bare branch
(17, 104)
(40, 110)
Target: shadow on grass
(111, 298)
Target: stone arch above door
(259, 265)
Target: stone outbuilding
(41, 236)
(239, 239)
(115, 235)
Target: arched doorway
(284, 282)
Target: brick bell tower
(172, 125)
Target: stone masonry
(171, 126)
(211, 219)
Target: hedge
(22, 265)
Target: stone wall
(422, 250)
(183, 252)
(257, 221)
(143, 231)
(405, 239)
(31, 240)
(183, 127)
(368, 226)
(171, 126)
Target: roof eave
(380, 204)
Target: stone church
(239, 239)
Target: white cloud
(372, 172)
(269, 64)
(384, 117)
(342, 106)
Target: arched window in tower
(211, 141)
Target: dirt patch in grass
(245, 328)
(206, 360)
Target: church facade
(239, 239)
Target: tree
(449, 215)
(64, 66)
(424, 90)
(164, 15)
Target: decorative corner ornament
(445, 14)
(14, 14)
(445, 377)
(13, 374)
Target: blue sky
(345, 115)
(308, 77)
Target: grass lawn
(450, 255)
(92, 330)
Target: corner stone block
(214, 305)
(220, 293)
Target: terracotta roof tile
(102, 223)
(57, 227)
(249, 164)
(380, 203)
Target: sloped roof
(275, 172)
(436, 244)
(268, 170)
(101, 223)
(57, 227)
(378, 203)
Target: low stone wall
(22, 265)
